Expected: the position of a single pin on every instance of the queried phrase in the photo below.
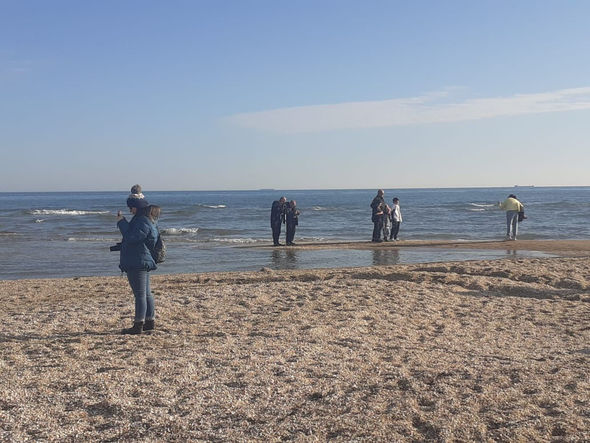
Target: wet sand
(568, 248)
(478, 350)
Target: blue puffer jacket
(139, 236)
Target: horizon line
(305, 189)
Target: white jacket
(396, 213)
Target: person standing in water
(292, 220)
(396, 219)
(512, 207)
(386, 222)
(277, 218)
(377, 215)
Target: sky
(250, 94)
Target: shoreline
(558, 247)
(417, 251)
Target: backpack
(159, 250)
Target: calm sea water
(69, 234)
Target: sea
(68, 234)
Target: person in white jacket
(396, 219)
(512, 207)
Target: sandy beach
(467, 351)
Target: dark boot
(135, 330)
(148, 325)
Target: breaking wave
(64, 212)
(322, 208)
(9, 234)
(179, 231)
(479, 205)
(77, 239)
(213, 206)
(235, 240)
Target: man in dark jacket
(277, 218)
(377, 206)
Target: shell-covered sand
(485, 350)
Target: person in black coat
(377, 206)
(292, 218)
(277, 218)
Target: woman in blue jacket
(139, 237)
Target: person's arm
(122, 223)
(136, 233)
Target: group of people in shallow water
(141, 233)
(386, 219)
(285, 213)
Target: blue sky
(191, 95)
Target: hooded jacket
(139, 236)
(511, 204)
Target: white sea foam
(64, 212)
(476, 210)
(179, 231)
(321, 208)
(76, 239)
(235, 240)
(9, 234)
(312, 239)
(214, 206)
(478, 205)
(40, 220)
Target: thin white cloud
(424, 109)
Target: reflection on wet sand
(299, 258)
(284, 258)
(385, 257)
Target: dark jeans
(290, 233)
(394, 229)
(377, 228)
(276, 232)
(144, 300)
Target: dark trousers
(377, 228)
(394, 229)
(290, 232)
(276, 232)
